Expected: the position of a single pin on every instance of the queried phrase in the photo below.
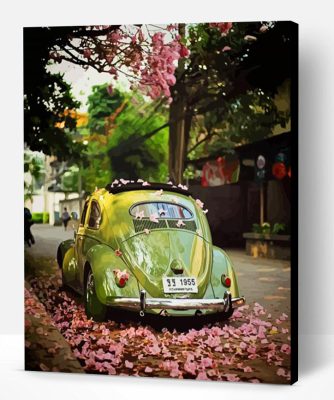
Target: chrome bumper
(141, 304)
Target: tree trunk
(180, 121)
(176, 140)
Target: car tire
(93, 307)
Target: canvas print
(160, 200)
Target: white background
(316, 267)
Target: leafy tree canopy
(116, 118)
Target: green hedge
(40, 217)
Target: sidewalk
(45, 347)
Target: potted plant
(270, 241)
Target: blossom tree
(197, 68)
(146, 54)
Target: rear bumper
(142, 303)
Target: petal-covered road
(252, 346)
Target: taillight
(121, 282)
(121, 277)
(226, 281)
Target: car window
(83, 215)
(94, 216)
(162, 209)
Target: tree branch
(207, 137)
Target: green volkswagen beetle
(147, 247)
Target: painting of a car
(147, 247)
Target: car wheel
(93, 307)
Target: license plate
(180, 284)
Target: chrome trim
(143, 303)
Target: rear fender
(62, 249)
(103, 261)
(223, 265)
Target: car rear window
(162, 209)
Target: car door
(90, 236)
(79, 242)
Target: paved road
(253, 346)
(260, 280)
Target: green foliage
(231, 81)
(47, 97)
(40, 217)
(33, 166)
(101, 105)
(148, 160)
(69, 180)
(279, 228)
(47, 125)
(97, 173)
(117, 145)
(266, 228)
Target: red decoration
(279, 170)
(221, 171)
(289, 172)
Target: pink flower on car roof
(154, 218)
(139, 215)
(199, 203)
(158, 192)
(183, 187)
(180, 223)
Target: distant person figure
(65, 217)
(74, 215)
(28, 237)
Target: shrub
(40, 217)
(266, 228)
(45, 218)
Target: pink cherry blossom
(286, 349)
(139, 215)
(118, 253)
(199, 203)
(202, 376)
(128, 364)
(215, 352)
(232, 377)
(180, 223)
(224, 27)
(263, 28)
(154, 218)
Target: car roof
(120, 187)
